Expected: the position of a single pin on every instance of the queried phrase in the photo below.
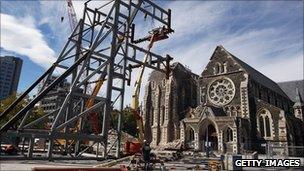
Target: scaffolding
(102, 45)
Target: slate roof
(176, 67)
(217, 111)
(258, 77)
(289, 87)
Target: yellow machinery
(135, 147)
(93, 117)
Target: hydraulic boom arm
(156, 35)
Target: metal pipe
(79, 115)
(110, 68)
(40, 119)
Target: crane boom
(156, 35)
(135, 96)
(72, 15)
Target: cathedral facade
(229, 108)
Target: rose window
(221, 91)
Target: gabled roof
(289, 87)
(218, 111)
(176, 67)
(256, 75)
(299, 101)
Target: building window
(261, 121)
(267, 126)
(218, 68)
(152, 84)
(221, 91)
(260, 93)
(152, 115)
(203, 94)
(224, 67)
(229, 134)
(265, 123)
(163, 115)
(190, 134)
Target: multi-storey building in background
(55, 97)
(10, 69)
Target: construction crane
(155, 35)
(72, 15)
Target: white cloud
(285, 69)
(193, 17)
(20, 36)
(200, 27)
(253, 47)
(51, 14)
(79, 6)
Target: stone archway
(189, 139)
(227, 139)
(208, 133)
(245, 139)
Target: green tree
(35, 113)
(128, 122)
(5, 103)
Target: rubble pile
(174, 145)
(112, 135)
(112, 139)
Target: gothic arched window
(218, 68)
(267, 122)
(163, 115)
(224, 69)
(152, 115)
(229, 134)
(152, 84)
(261, 121)
(191, 134)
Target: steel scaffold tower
(103, 46)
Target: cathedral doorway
(227, 138)
(208, 136)
(190, 137)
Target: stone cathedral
(230, 108)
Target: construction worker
(146, 149)
(162, 166)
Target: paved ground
(28, 165)
(173, 165)
(187, 163)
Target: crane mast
(72, 15)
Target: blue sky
(268, 35)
